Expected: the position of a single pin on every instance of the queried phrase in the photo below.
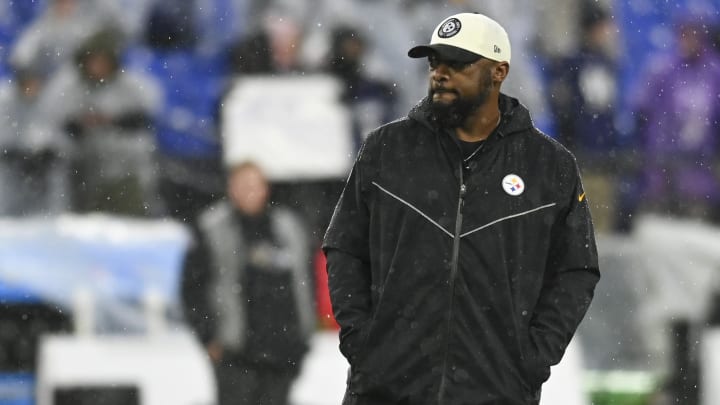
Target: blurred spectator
(191, 176)
(108, 112)
(384, 26)
(251, 55)
(583, 88)
(171, 25)
(271, 44)
(52, 38)
(272, 47)
(371, 101)
(285, 35)
(583, 94)
(33, 176)
(678, 115)
(248, 293)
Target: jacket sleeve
(195, 283)
(349, 285)
(570, 278)
(346, 248)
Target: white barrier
(170, 368)
(710, 367)
(566, 385)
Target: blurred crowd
(116, 106)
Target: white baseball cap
(465, 37)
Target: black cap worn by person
(466, 37)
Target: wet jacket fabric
(459, 282)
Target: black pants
(241, 382)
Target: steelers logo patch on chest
(513, 184)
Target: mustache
(441, 89)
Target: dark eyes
(454, 65)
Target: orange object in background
(324, 307)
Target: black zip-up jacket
(451, 287)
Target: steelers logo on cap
(513, 184)
(449, 28)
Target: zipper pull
(463, 190)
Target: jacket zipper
(453, 274)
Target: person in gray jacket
(33, 172)
(247, 291)
(108, 114)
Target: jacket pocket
(352, 343)
(537, 371)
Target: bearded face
(454, 113)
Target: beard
(456, 113)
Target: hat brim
(446, 52)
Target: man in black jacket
(461, 255)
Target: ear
(500, 71)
